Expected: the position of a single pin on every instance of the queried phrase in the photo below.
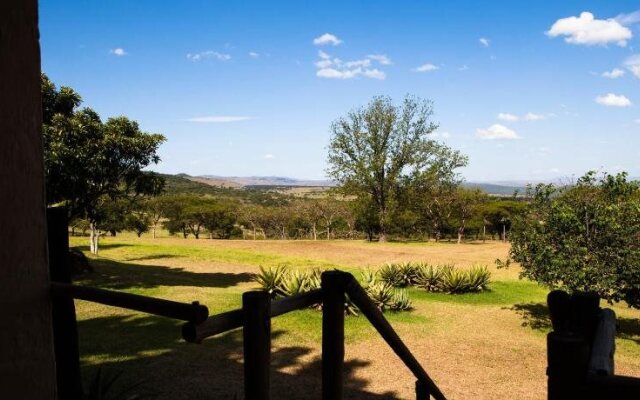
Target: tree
(466, 204)
(378, 150)
(89, 163)
(583, 238)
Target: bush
(398, 274)
(429, 277)
(271, 279)
(479, 277)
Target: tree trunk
(313, 230)
(484, 233)
(154, 231)
(254, 233)
(504, 233)
(93, 238)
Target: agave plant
(270, 279)
(429, 277)
(455, 281)
(368, 278)
(381, 294)
(478, 277)
(107, 385)
(295, 283)
(400, 300)
(397, 275)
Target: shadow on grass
(148, 349)
(536, 316)
(103, 246)
(111, 274)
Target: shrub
(271, 279)
(428, 277)
(398, 274)
(294, 283)
(478, 277)
(455, 281)
(381, 294)
(401, 300)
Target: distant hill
(225, 185)
(494, 189)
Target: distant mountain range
(279, 181)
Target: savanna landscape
(479, 345)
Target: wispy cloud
(534, 117)
(426, 68)
(497, 132)
(269, 156)
(327, 39)
(208, 54)
(629, 19)
(464, 68)
(118, 51)
(253, 54)
(381, 58)
(508, 117)
(587, 30)
(614, 73)
(334, 68)
(613, 100)
(633, 65)
(218, 119)
(484, 42)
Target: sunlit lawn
(488, 345)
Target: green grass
(216, 274)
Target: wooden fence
(580, 351)
(254, 318)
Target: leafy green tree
(585, 237)
(466, 204)
(378, 150)
(89, 163)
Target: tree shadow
(536, 316)
(103, 246)
(149, 349)
(111, 274)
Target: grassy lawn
(488, 346)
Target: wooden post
(256, 307)
(422, 391)
(333, 287)
(63, 311)
(567, 363)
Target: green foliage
(379, 151)
(398, 274)
(479, 278)
(428, 277)
(271, 280)
(401, 300)
(583, 238)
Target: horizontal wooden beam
(192, 312)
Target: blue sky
(528, 90)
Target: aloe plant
(271, 279)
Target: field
(475, 346)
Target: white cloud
(381, 58)
(637, 121)
(613, 100)
(208, 54)
(374, 74)
(496, 131)
(534, 117)
(463, 68)
(613, 74)
(633, 65)
(118, 51)
(426, 68)
(508, 117)
(586, 30)
(253, 54)
(554, 170)
(484, 41)
(219, 119)
(629, 19)
(269, 156)
(335, 68)
(327, 38)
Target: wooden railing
(254, 318)
(580, 351)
